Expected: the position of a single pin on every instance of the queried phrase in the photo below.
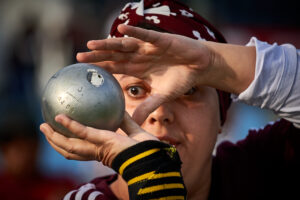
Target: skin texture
(91, 143)
(162, 57)
(170, 94)
(190, 122)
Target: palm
(94, 144)
(154, 57)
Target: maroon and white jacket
(97, 189)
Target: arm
(150, 167)
(277, 80)
(180, 62)
(152, 171)
(231, 69)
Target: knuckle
(106, 44)
(72, 124)
(84, 133)
(67, 124)
(98, 154)
(122, 44)
(68, 157)
(71, 149)
(94, 55)
(106, 153)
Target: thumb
(134, 131)
(129, 126)
(150, 104)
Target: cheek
(201, 127)
(196, 152)
(201, 119)
(201, 124)
(130, 106)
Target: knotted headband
(173, 17)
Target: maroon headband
(173, 17)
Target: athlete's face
(190, 123)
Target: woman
(171, 95)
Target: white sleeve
(276, 85)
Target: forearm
(276, 85)
(152, 171)
(232, 67)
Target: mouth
(170, 142)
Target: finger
(46, 129)
(72, 146)
(150, 104)
(134, 131)
(98, 56)
(115, 44)
(67, 155)
(95, 136)
(139, 33)
(58, 139)
(110, 66)
(129, 126)
(127, 68)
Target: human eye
(136, 91)
(191, 91)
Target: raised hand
(170, 63)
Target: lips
(171, 135)
(169, 140)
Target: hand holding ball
(85, 93)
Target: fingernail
(91, 42)
(42, 128)
(79, 57)
(58, 119)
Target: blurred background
(39, 37)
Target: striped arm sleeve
(152, 171)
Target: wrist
(209, 71)
(151, 170)
(231, 67)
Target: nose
(163, 115)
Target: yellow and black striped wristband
(152, 171)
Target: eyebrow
(123, 76)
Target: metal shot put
(85, 93)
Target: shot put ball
(85, 93)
